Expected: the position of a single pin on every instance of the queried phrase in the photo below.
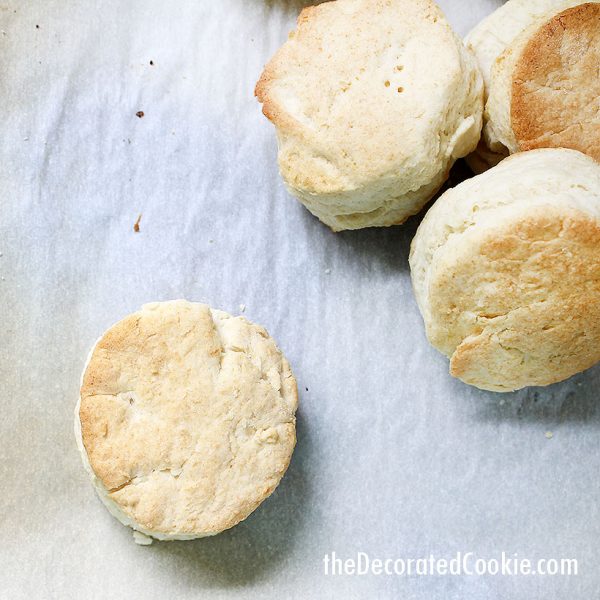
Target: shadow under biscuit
(292, 4)
(254, 548)
(293, 7)
(386, 248)
(572, 401)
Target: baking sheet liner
(394, 458)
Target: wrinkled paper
(394, 458)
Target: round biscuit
(373, 101)
(506, 271)
(186, 419)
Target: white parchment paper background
(394, 458)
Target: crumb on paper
(37, 26)
(151, 63)
(306, 389)
(141, 539)
(136, 225)
(139, 114)
(210, 241)
(242, 307)
(327, 271)
(549, 435)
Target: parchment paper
(394, 458)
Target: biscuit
(186, 419)
(539, 60)
(506, 271)
(373, 101)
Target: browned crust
(101, 410)
(272, 70)
(548, 328)
(556, 85)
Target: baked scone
(506, 271)
(186, 419)
(373, 101)
(539, 60)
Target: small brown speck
(37, 26)
(139, 114)
(136, 225)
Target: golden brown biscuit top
(556, 84)
(187, 417)
(370, 89)
(519, 300)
